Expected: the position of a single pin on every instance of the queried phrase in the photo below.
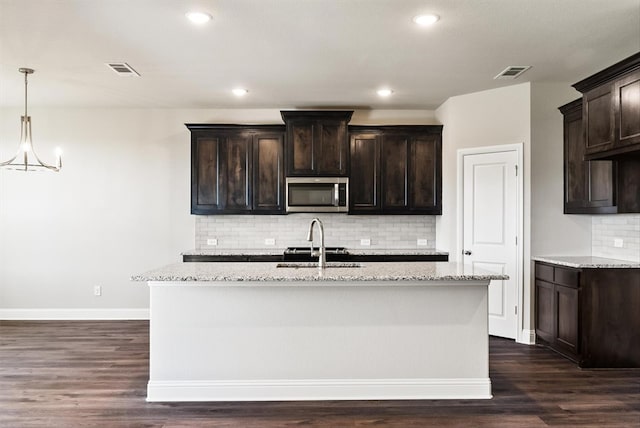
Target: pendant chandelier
(26, 158)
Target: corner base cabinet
(590, 315)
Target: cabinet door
(598, 119)
(207, 193)
(300, 147)
(395, 171)
(268, 173)
(237, 166)
(364, 179)
(566, 338)
(425, 177)
(587, 184)
(330, 145)
(545, 323)
(627, 110)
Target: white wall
(488, 118)
(552, 232)
(525, 113)
(120, 205)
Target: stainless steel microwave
(317, 194)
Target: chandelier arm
(26, 140)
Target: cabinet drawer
(566, 277)
(544, 272)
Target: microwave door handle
(336, 195)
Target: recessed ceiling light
(240, 92)
(426, 20)
(199, 18)
(385, 92)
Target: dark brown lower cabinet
(591, 316)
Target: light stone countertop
(239, 273)
(235, 252)
(588, 262)
(279, 252)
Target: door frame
(518, 148)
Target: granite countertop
(397, 251)
(588, 262)
(235, 252)
(280, 251)
(269, 272)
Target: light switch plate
(269, 241)
(212, 242)
(618, 243)
(365, 242)
(422, 242)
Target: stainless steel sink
(315, 265)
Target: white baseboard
(319, 389)
(75, 314)
(527, 337)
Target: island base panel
(211, 342)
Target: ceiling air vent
(512, 72)
(122, 69)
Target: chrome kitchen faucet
(322, 258)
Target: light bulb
(198, 18)
(239, 92)
(385, 92)
(426, 20)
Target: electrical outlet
(212, 241)
(269, 241)
(618, 243)
(422, 242)
(365, 242)
(97, 290)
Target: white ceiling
(300, 53)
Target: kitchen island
(256, 331)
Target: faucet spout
(322, 258)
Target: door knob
(466, 252)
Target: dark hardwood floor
(94, 374)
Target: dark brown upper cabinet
(611, 111)
(316, 142)
(364, 179)
(611, 131)
(588, 185)
(395, 170)
(268, 172)
(237, 169)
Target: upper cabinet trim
(627, 65)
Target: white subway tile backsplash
(606, 229)
(250, 231)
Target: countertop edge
(256, 272)
(580, 262)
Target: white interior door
(490, 229)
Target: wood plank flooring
(94, 374)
